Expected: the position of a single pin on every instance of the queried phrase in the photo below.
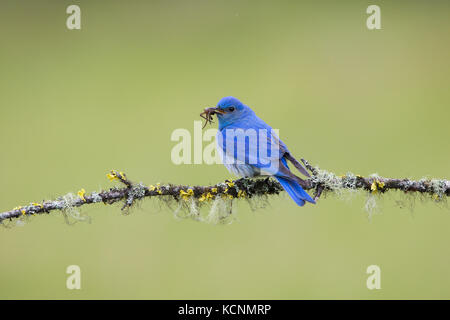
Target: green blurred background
(75, 104)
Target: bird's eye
(231, 109)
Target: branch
(244, 188)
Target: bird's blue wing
(252, 142)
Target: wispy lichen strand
(221, 196)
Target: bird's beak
(213, 110)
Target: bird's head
(228, 110)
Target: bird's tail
(295, 191)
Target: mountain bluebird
(249, 147)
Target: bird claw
(318, 192)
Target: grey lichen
(96, 197)
(328, 180)
(438, 187)
(371, 205)
(138, 191)
(67, 205)
(221, 212)
(349, 181)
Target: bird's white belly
(242, 169)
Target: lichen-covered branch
(195, 196)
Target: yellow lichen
(21, 210)
(158, 188)
(152, 188)
(230, 183)
(241, 194)
(186, 195)
(214, 190)
(37, 204)
(112, 176)
(206, 196)
(81, 194)
(376, 185)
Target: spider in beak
(208, 113)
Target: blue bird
(249, 147)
